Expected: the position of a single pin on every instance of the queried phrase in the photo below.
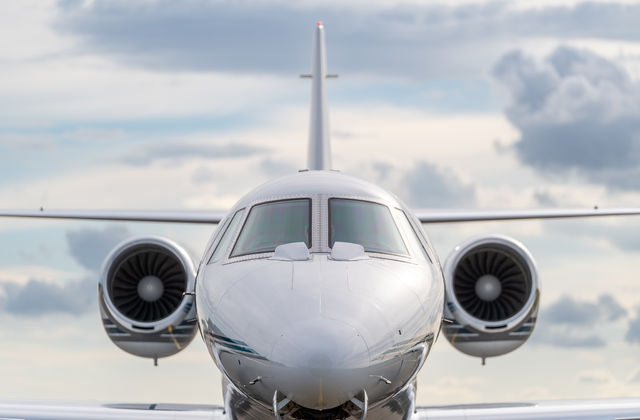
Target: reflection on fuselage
(321, 330)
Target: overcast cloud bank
(254, 36)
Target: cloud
(572, 323)
(568, 338)
(610, 309)
(38, 297)
(596, 377)
(636, 377)
(89, 247)
(176, 152)
(256, 36)
(203, 175)
(429, 186)
(568, 311)
(633, 332)
(277, 167)
(577, 112)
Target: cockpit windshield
(275, 223)
(366, 223)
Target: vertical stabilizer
(319, 157)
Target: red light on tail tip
(319, 24)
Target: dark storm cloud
(577, 113)
(429, 186)
(181, 151)
(89, 247)
(257, 36)
(38, 297)
(570, 322)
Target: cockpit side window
(227, 237)
(366, 223)
(411, 234)
(275, 223)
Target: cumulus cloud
(176, 151)
(567, 310)
(429, 186)
(571, 323)
(570, 311)
(633, 332)
(610, 308)
(577, 113)
(404, 39)
(38, 297)
(89, 247)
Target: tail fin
(319, 157)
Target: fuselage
(317, 287)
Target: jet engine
(492, 296)
(142, 299)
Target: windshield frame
(222, 235)
(406, 255)
(309, 200)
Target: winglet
(319, 157)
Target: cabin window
(366, 223)
(275, 223)
(227, 237)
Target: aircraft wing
(210, 217)
(454, 216)
(41, 410)
(215, 216)
(610, 409)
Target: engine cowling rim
(178, 313)
(461, 315)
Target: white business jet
(319, 296)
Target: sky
(158, 104)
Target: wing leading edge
(44, 410)
(214, 217)
(627, 409)
(457, 216)
(595, 409)
(206, 217)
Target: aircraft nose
(323, 362)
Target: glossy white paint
(319, 331)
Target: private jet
(319, 296)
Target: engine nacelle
(492, 295)
(144, 311)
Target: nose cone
(323, 362)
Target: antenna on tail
(319, 157)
